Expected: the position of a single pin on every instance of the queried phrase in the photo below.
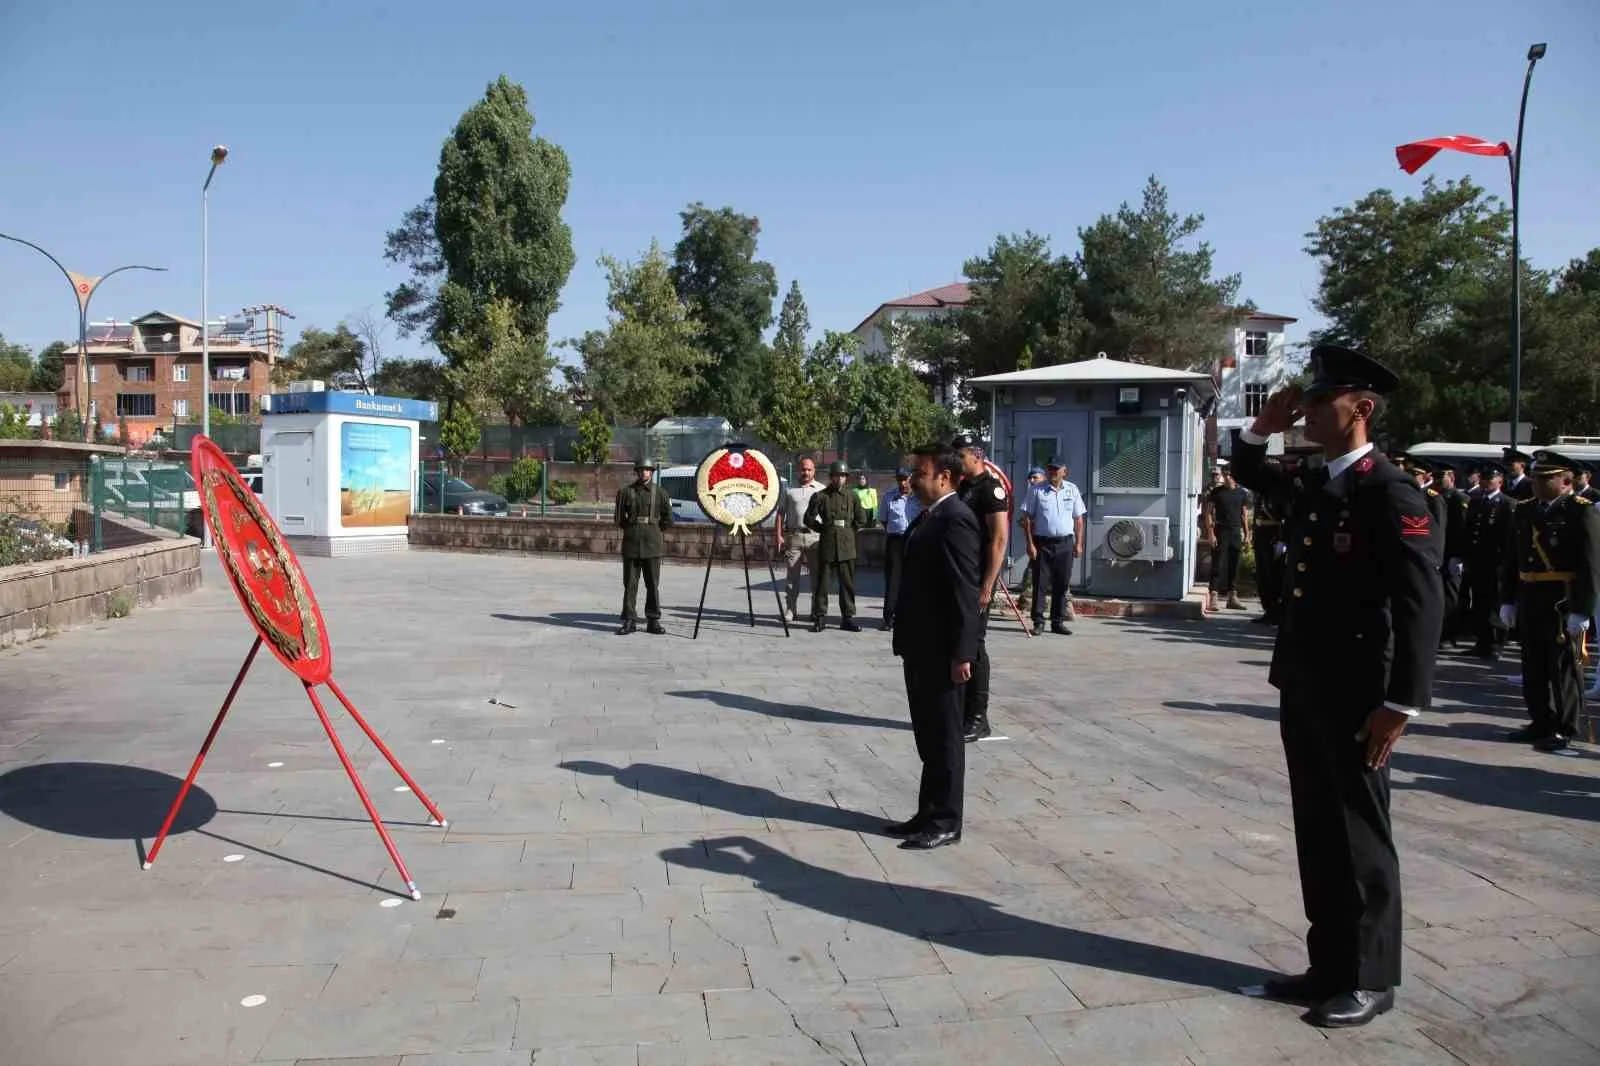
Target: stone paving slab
(665, 851)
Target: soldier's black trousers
(1483, 581)
(894, 564)
(1225, 559)
(845, 574)
(1552, 677)
(1454, 594)
(1269, 567)
(1349, 871)
(650, 569)
(975, 704)
(935, 703)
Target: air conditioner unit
(308, 386)
(1131, 538)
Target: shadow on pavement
(1514, 788)
(749, 800)
(100, 800)
(794, 711)
(948, 918)
(1248, 710)
(603, 623)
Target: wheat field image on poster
(374, 475)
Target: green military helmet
(840, 468)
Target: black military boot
(818, 625)
(655, 626)
(628, 626)
(850, 625)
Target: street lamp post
(1535, 53)
(218, 155)
(83, 290)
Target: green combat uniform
(643, 511)
(836, 513)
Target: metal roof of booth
(1098, 370)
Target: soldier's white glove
(1508, 616)
(1455, 567)
(1576, 624)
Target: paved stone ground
(664, 851)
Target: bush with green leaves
(523, 480)
(27, 538)
(563, 492)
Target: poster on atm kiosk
(374, 475)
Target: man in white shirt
(796, 543)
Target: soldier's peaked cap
(1337, 369)
(1512, 455)
(1548, 462)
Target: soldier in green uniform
(836, 513)
(1549, 585)
(643, 511)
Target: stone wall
(574, 536)
(38, 599)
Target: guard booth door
(1041, 435)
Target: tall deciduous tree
(499, 367)
(730, 294)
(338, 357)
(648, 360)
(418, 379)
(1148, 295)
(1024, 306)
(16, 366)
(593, 444)
(49, 368)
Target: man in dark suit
(1353, 663)
(936, 630)
(1488, 534)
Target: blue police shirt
(1053, 510)
(897, 510)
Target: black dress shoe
(1299, 988)
(1553, 742)
(1527, 734)
(818, 625)
(1060, 628)
(976, 730)
(628, 626)
(908, 828)
(886, 625)
(849, 625)
(928, 839)
(655, 627)
(1349, 1009)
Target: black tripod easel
(742, 535)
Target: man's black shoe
(628, 626)
(1060, 629)
(1486, 653)
(1553, 742)
(1527, 734)
(655, 627)
(908, 828)
(1349, 1009)
(929, 839)
(1300, 988)
(976, 730)
(818, 625)
(850, 625)
(886, 625)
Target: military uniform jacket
(1562, 540)
(643, 511)
(1455, 534)
(1363, 603)
(1489, 529)
(836, 514)
(1439, 511)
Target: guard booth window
(1130, 453)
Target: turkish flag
(1414, 156)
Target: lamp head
(1536, 53)
(219, 154)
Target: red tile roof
(955, 294)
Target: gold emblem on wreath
(737, 486)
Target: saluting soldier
(643, 511)
(835, 514)
(1353, 662)
(1551, 575)
(1488, 537)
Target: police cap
(1338, 369)
(1488, 470)
(1419, 463)
(962, 440)
(901, 473)
(1053, 463)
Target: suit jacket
(936, 619)
(1363, 600)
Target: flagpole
(1535, 53)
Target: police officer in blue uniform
(1353, 662)
(897, 509)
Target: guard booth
(1132, 437)
(339, 469)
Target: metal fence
(55, 505)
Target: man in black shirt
(1226, 527)
(983, 493)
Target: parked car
(459, 498)
(252, 476)
(679, 481)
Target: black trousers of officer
(1225, 559)
(975, 704)
(1483, 580)
(894, 564)
(1269, 567)
(845, 573)
(1052, 568)
(632, 570)
(936, 703)
(1552, 677)
(1349, 871)
(1452, 602)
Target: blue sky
(879, 143)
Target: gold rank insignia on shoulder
(1584, 500)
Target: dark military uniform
(1266, 533)
(1551, 574)
(836, 513)
(1359, 631)
(985, 495)
(1522, 487)
(1488, 535)
(1439, 512)
(1456, 600)
(642, 511)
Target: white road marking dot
(233, 858)
(391, 903)
(439, 740)
(402, 788)
(274, 765)
(252, 1001)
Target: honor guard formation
(1368, 564)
